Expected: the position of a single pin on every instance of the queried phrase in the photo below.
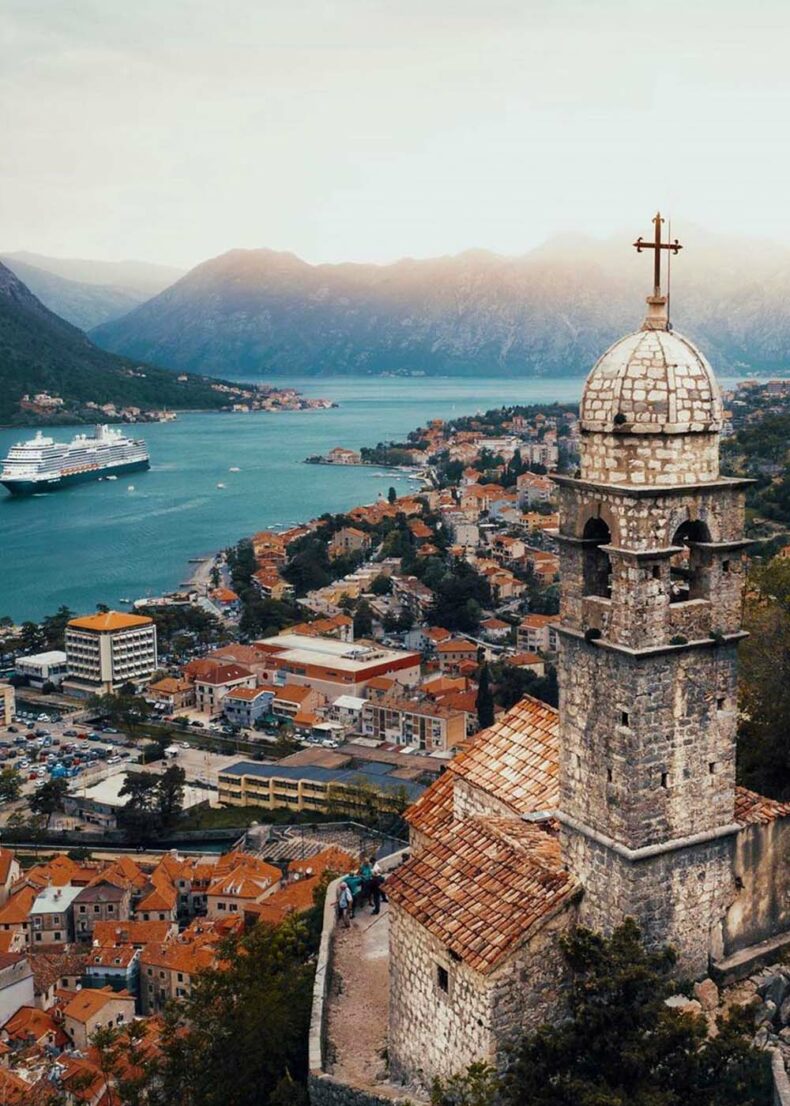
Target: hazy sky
(173, 130)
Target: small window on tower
(442, 978)
(712, 767)
(725, 566)
(608, 775)
(665, 779)
(624, 718)
(721, 703)
(656, 572)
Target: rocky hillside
(552, 311)
(88, 293)
(41, 352)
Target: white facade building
(104, 651)
(50, 667)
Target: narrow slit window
(442, 978)
(712, 768)
(725, 566)
(721, 704)
(624, 718)
(656, 572)
(608, 775)
(665, 779)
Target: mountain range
(87, 293)
(40, 352)
(250, 313)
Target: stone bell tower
(651, 537)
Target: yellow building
(309, 787)
(7, 704)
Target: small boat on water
(220, 485)
(109, 477)
(234, 468)
(130, 488)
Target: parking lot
(41, 747)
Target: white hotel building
(104, 651)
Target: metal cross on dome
(658, 246)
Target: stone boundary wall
(324, 1089)
(781, 1081)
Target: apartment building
(348, 540)
(101, 901)
(105, 651)
(7, 704)
(243, 706)
(213, 681)
(454, 652)
(52, 917)
(538, 633)
(422, 723)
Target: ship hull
(34, 487)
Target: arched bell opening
(689, 577)
(597, 565)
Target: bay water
(108, 541)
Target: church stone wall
(678, 898)
(648, 743)
(470, 801)
(649, 459)
(432, 1033)
(481, 1017)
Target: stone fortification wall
(677, 897)
(761, 866)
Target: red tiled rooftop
(484, 886)
(517, 759)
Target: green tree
(623, 1046)
(243, 1027)
(32, 637)
(363, 620)
(54, 627)
(170, 795)
(763, 750)
(138, 814)
(48, 799)
(485, 700)
(392, 495)
(381, 585)
(10, 784)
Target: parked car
(12, 729)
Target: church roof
(753, 809)
(651, 382)
(483, 886)
(433, 811)
(517, 759)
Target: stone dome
(652, 382)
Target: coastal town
(310, 685)
(47, 409)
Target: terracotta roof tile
(109, 934)
(484, 885)
(88, 1002)
(17, 909)
(517, 759)
(751, 808)
(433, 811)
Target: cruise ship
(43, 465)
